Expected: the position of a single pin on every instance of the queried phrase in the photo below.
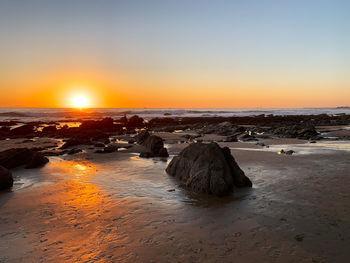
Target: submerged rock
(6, 179)
(208, 168)
(22, 157)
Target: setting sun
(80, 101)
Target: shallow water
(290, 197)
(320, 147)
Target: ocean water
(54, 114)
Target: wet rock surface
(208, 168)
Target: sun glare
(80, 101)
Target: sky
(175, 54)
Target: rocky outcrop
(208, 168)
(6, 179)
(22, 157)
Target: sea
(67, 114)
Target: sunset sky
(163, 53)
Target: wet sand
(120, 208)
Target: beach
(118, 207)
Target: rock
(23, 130)
(131, 141)
(6, 179)
(146, 155)
(110, 148)
(49, 130)
(154, 144)
(289, 152)
(299, 237)
(135, 121)
(99, 144)
(246, 137)
(163, 152)
(106, 125)
(36, 160)
(74, 151)
(74, 142)
(142, 136)
(208, 168)
(22, 156)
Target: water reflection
(77, 169)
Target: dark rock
(135, 121)
(208, 168)
(142, 136)
(110, 148)
(131, 141)
(99, 144)
(75, 141)
(74, 151)
(289, 152)
(22, 156)
(154, 144)
(49, 130)
(36, 160)
(163, 152)
(246, 137)
(23, 130)
(106, 124)
(6, 179)
(146, 155)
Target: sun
(80, 101)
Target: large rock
(22, 157)
(6, 179)
(208, 168)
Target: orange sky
(232, 54)
(133, 91)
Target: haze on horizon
(161, 54)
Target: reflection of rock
(6, 179)
(22, 156)
(208, 168)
